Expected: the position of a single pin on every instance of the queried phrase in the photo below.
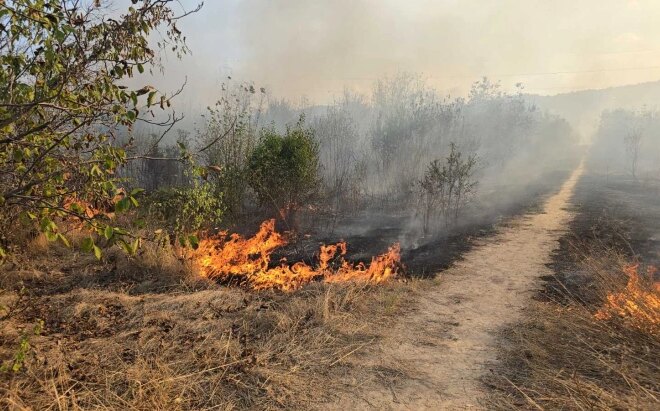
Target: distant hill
(583, 108)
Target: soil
(437, 356)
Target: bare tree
(633, 142)
(447, 187)
(227, 139)
(337, 135)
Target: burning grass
(638, 303)
(120, 334)
(248, 262)
(594, 346)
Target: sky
(315, 49)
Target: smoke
(317, 48)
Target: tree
(447, 187)
(284, 168)
(633, 142)
(228, 137)
(62, 103)
(338, 136)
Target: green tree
(284, 169)
(62, 102)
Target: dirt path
(435, 357)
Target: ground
(494, 328)
(445, 346)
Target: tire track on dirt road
(437, 354)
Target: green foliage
(61, 101)
(186, 210)
(284, 169)
(227, 140)
(16, 363)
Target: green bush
(284, 169)
(185, 210)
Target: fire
(247, 260)
(638, 304)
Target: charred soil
(564, 355)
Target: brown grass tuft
(566, 357)
(118, 336)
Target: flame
(637, 304)
(247, 260)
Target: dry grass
(141, 334)
(565, 358)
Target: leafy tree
(447, 187)
(62, 102)
(284, 169)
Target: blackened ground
(560, 356)
(613, 213)
(372, 231)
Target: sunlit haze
(316, 49)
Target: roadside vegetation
(130, 273)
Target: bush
(186, 210)
(447, 187)
(284, 169)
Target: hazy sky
(316, 48)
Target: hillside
(583, 108)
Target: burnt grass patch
(136, 333)
(372, 231)
(561, 356)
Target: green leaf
(120, 231)
(140, 68)
(97, 252)
(76, 208)
(108, 232)
(150, 98)
(87, 244)
(194, 241)
(135, 246)
(123, 205)
(47, 225)
(125, 246)
(63, 240)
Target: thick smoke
(316, 48)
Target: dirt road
(434, 358)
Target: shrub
(185, 210)
(447, 187)
(284, 169)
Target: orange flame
(247, 260)
(637, 304)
